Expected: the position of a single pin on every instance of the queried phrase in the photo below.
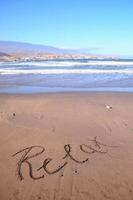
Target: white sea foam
(69, 63)
(64, 71)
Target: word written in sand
(30, 153)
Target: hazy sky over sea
(106, 26)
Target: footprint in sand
(15, 195)
(3, 116)
(43, 195)
(6, 116)
(41, 117)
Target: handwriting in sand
(30, 153)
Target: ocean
(66, 76)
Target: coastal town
(20, 51)
(40, 57)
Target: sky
(102, 26)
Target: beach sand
(75, 146)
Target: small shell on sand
(108, 107)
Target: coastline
(53, 120)
(61, 90)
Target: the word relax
(32, 152)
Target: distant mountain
(20, 47)
(4, 54)
(26, 48)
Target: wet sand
(71, 146)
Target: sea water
(66, 76)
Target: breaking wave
(65, 71)
(69, 63)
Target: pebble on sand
(108, 107)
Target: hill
(4, 54)
(11, 47)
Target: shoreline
(49, 90)
(69, 93)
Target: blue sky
(105, 25)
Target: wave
(64, 71)
(69, 63)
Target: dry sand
(88, 141)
